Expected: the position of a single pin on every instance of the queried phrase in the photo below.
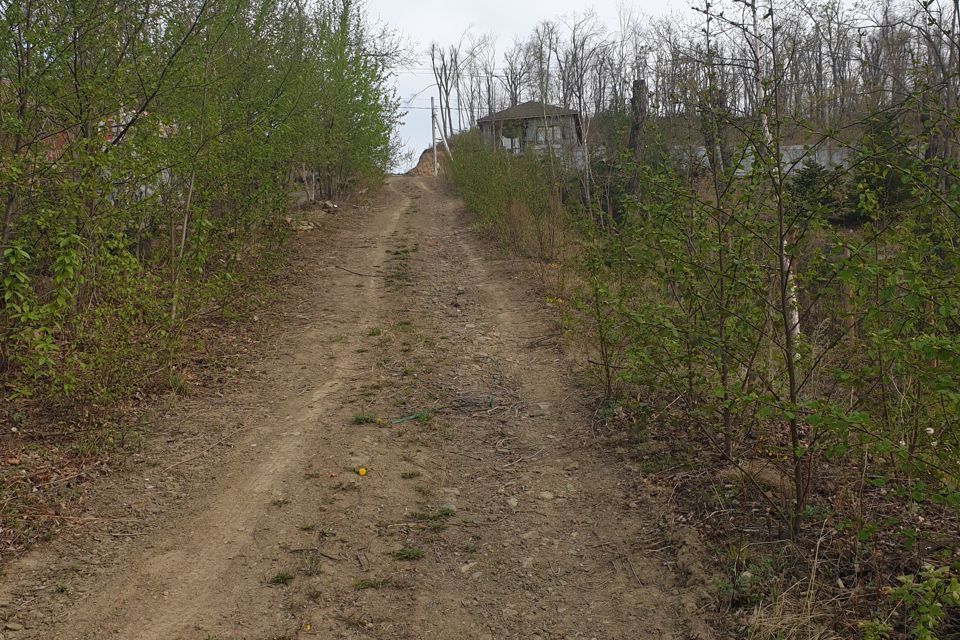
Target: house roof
(528, 110)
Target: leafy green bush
(146, 175)
(520, 199)
(922, 603)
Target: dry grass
(789, 617)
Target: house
(534, 126)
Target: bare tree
(539, 53)
(515, 72)
(445, 65)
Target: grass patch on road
(435, 516)
(364, 418)
(281, 578)
(407, 554)
(362, 584)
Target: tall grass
(522, 200)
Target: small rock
(546, 495)
(465, 568)
(513, 502)
(13, 626)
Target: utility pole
(433, 134)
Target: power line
(460, 73)
(458, 109)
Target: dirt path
(479, 458)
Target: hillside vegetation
(149, 149)
(780, 339)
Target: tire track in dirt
(206, 565)
(512, 523)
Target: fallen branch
(50, 516)
(521, 459)
(465, 455)
(204, 452)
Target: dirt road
(487, 511)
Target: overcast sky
(425, 21)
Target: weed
(311, 565)
(362, 584)
(408, 553)
(281, 502)
(410, 475)
(440, 514)
(375, 332)
(751, 578)
(364, 418)
(817, 511)
(281, 578)
(423, 417)
(307, 527)
(929, 599)
(178, 385)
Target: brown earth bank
(424, 167)
(412, 351)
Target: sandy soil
(478, 451)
